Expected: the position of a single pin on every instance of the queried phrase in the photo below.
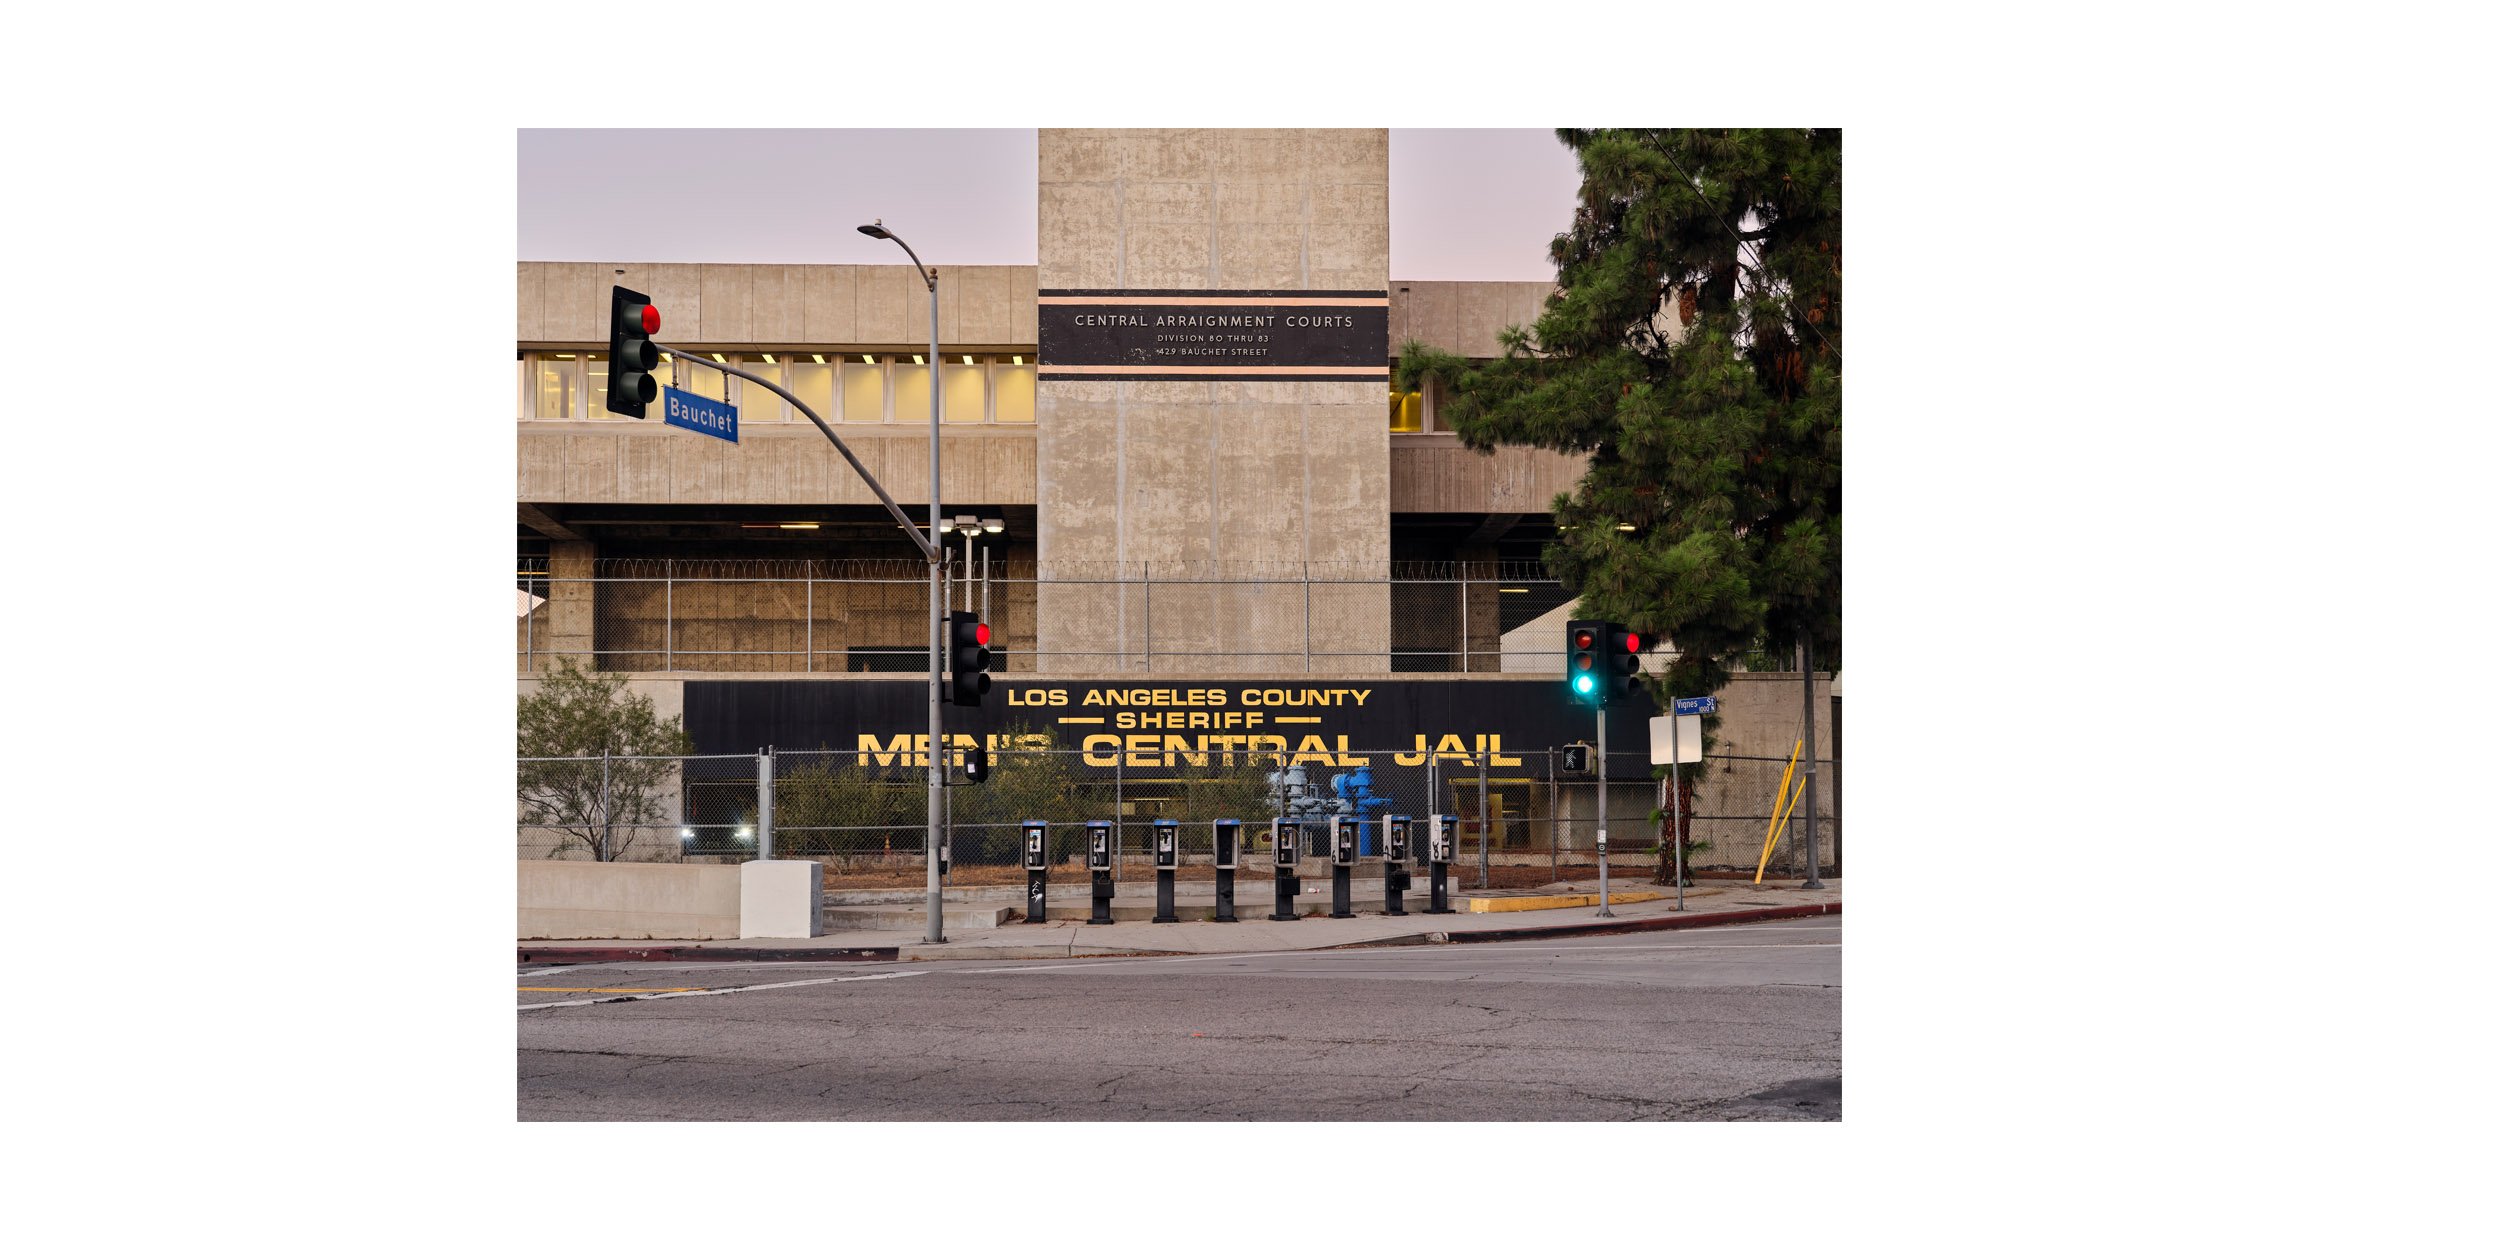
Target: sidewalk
(1067, 935)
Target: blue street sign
(1702, 706)
(689, 411)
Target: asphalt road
(1737, 1023)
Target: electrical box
(1167, 845)
(1098, 845)
(1342, 830)
(1228, 844)
(1036, 835)
(1288, 836)
(1398, 833)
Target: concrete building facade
(1153, 521)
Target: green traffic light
(1583, 683)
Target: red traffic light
(1583, 639)
(650, 319)
(981, 634)
(1631, 641)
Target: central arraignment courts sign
(1214, 336)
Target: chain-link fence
(866, 810)
(835, 616)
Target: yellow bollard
(1780, 807)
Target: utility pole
(1805, 660)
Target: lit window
(555, 387)
(863, 391)
(811, 379)
(1406, 412)
(911, 394)
(595, 387)
(1013, 384)
(967, 391)
(757, 403)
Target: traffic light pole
(1602, 908)
(928, 548)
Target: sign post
(1678, 731)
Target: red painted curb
(701, 954)
(1687, 920)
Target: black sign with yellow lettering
(1341, 722)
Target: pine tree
(1693, 354)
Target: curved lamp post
(937, 733)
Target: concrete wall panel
(728, 303)
(779, 304)
(577, 303)
(530, 303)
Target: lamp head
(876, 231)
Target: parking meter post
(1098, 860)
(1442, 838)
(1167, 836)
(1341, 850)
(1036, 872)
(1287, 836)
(1393, 878)
(1227, 860)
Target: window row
(855, 388)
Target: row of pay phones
(1286, 835)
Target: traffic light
(631, 353)
(969, 658)
(1575, 757)
(1623, 662)
(1584, 643)
(977, 764)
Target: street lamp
(937, 589)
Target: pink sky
(1463, 204)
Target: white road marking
(735, 989)
(1095, 966)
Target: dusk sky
(1463, 204)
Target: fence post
(1484, 820)
(764, 804)
(1466, 653)
(1119, 828)
(607, 812)
(668, 617)
(1553, 813)
(529, 630)
(1306, 616)
(811, 616)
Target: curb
(892, 954)
(702, 954)
(1689, 920)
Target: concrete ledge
(569, 900)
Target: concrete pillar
(1482, 608)
(568, 622)
(1212, 479)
